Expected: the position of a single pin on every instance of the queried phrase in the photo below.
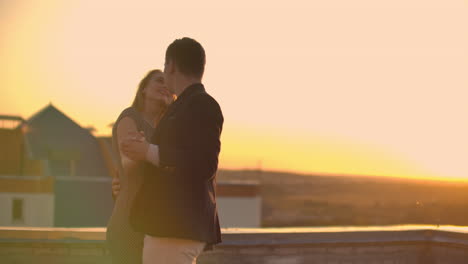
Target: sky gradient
(340, 87)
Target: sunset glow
(339, 87)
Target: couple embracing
(167, 143)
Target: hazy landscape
(312, 200)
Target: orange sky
(355, 87)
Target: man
(176, 206)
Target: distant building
(55, 173)
(63, 147)
(239, 204)
(26, 201)
(52, 172)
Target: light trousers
(162, 250)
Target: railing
(382, 245)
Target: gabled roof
(51, 130)
(50, 111)
(51, 135)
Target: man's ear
(172, 67)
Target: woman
(150, 103)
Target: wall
(11, 151)
(239, 203)
(38, 209)
(82, 201)
(239, 211)
(37, 196)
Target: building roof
(10, 117)
(53, 136)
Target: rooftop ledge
(266, 236)
(410, 244)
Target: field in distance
(314, 200)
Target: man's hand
(115, 186)
(134, 146)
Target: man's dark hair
(188, 56)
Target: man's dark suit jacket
(178, 198)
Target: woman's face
(156, 89)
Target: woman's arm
(125, 128)
(126, 125)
